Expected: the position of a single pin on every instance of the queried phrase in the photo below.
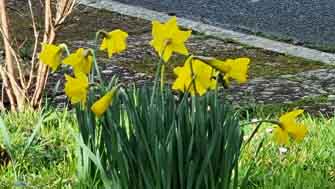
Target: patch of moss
(85, 21)
(311, 105)
(264, 63)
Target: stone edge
(221, 33)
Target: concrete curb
(221, 33)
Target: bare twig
(49, 37)
(11, 92)
(36, 35)
(14, 55)
(2, 106)
(64, 9)
(8, 90)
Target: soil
(137, 63)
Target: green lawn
(49, 161)
(309, 164)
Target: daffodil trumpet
(51, 55)
(102, 104)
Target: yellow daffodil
(76, 88)
(201, 79)
(100, 106)
(168, 38)
(81, 61)
(289, 127)
(114, 42)
(51, 55)
(233, 69)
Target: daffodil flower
(101, 105)
(236, 69)
(168, 38)
(51, 55)
(114, 42)
(81, 61)
(195, 77)
(76, 88)
(289, 127)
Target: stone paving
(283, 89)
(314, 82)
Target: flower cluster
(289, 127)
(197, 76)
(81, 61)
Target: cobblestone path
(273, 79)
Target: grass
(309, 164)
(49, 162)
(311, 105)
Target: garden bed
(144, 140)
(274, 78)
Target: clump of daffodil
(81, 61)
(114, 42)
(101, 105)
(51, 55)
(236, 69)
(289, 127)
(168, 38)
(195, 77)
(76, 88)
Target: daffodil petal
(169, 38)
(101, 105)
(280, 136)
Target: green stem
(259, 124)
(162, 77)
(155, 82)
(262, 121)
(193, 76)
(64, 46)
(95, 64)
(95, 67)
(159, 72)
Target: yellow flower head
(199, 82)
(51, 55)
(233, 69)
(76, 88)
(168, 38)
(289, 127)
(114, 42)
(100, 106)
(81, 61)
